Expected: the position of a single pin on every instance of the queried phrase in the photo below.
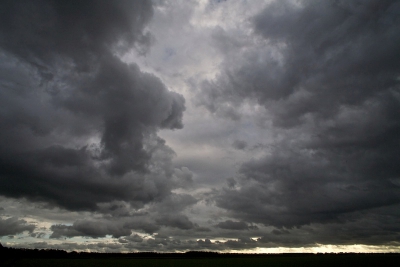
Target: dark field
(267, 260)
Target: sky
(169, 126)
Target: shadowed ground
(274, 260)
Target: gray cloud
(183, 177)
(101, 227)
(308, 46)
(231, 182)
(131, 238)
(79, 124)
(122, 227)
(239, 144)
(300, 147)
(13, 226)
(94, 229)
(43, 30)
(327, 78)
(119, 219)
(176, 220)
(231, 225)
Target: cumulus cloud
(307, 45)
(14, 226)
(326, 77)
(79, 124)
(299, 148)
(119, 219)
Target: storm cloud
(13, 226)
(231, 225)
(200, 125)
(328, 81)
(79, 124)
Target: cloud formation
(231, 225)
(291, 134)
(327, 77)
(79, 124)
(13, 226)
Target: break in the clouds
(199, 125)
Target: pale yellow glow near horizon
(332, 249)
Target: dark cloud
(79, 125)
(174, 203)
(93, 228)
(328, 79)
(317, 57)
(13, 226)
(206, 243)
(131, 238)
(239, 144)
(176, 221)
(362, 227)
(116, 227)
(119, 219)
(42, 30)
(241, 243)
(183, 177)
(146, 225)
(231, 182)
(79, 140)
(231, 225)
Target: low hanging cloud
(79, 125)
(232, 225)
(14, 226)
(94, 229)
(328, 80)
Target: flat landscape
(225, 260)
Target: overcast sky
(254, 126)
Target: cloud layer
(79, 124)
(291, 134)
(327, 77)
